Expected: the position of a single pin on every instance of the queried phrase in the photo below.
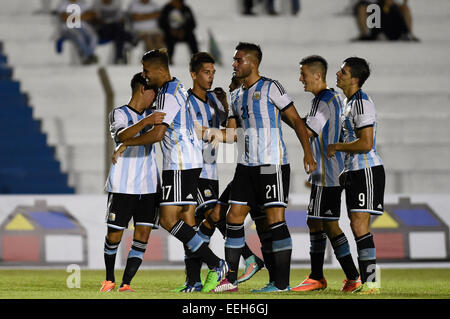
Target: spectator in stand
(295, 7)
(395, 20)
(248, 7)
(178, 23)
(144, 15)
(109, 24)
(84, 36)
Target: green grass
(157, 284)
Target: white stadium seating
(409, 83)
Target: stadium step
(28, 164)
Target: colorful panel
(389, 245)
(427, 245)
(296, 218)
(416, 217)
(20, 248)
(19, 222)
(53, 220)
(154, 250)
(63, 248)
(384, 221)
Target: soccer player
(262, 174)
(363, 177)
(324, 127)
(210, 110)
(182, 160)
(133, 183)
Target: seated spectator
(84, 37)
(144, 15)
(110, 26)
(248, 7)
(395, 20)
(178, 23)
(295, 7)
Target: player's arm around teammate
(129, 193)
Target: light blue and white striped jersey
(180, 146)
(257, 110)
(359, 112)
(136, 171)
(324, 119)
(209, 113)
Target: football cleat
(197, 287)
(179, 289)
(351, 285)
(270, 287)
(252, 265)
(215, 275)
(368, 288)
(107, 285)
(310, 284)
(125, 288)
(226, 286)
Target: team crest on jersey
(111, 217)
(207, 193)
(257, 95)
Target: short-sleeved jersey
(209, 113)
(180, 146)
(136, 171)
(324, 119)
(257, 110)
(358, 113)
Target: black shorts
(142, 208)
(207, 195)
(179, 187)
(325, 203)
(255, 212)
(261, 186)
(364, 190)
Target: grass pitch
(158, 284)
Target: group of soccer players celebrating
(338, 142)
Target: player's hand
(331, 150)
(309, 163)
(155, 118)
(199, 129)
(220, 93)
(222, 96)
(118, 152)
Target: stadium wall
(55, 231)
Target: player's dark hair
(250, 48)
(139, 80)
(359, 68)
(316, 61)
(198, 59)
(159, 57)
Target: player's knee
(332, 228)
(213, 216)
(314, 225)
(142, 233)
(358, 226)
(168, 221)
(114, 235)
(236, 214)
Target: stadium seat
(28, 164)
